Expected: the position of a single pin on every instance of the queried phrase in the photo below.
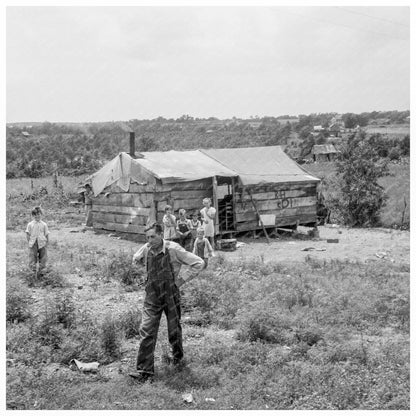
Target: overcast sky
(119, 63)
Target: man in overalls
(163, 260)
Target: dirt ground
(354, 244)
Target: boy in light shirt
(202, 246)
(37, 234)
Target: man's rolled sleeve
(139, 255)
(195, 263)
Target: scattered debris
(381, 255)
(10, 362)
(308, 249)
(209, 399)
(313, 248)
(187, 397)
(229, 244)
(240, 244)
(85, 367)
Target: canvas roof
(319, 149)
(171, 166)
(175, 166)
(253, 165)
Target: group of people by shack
(170, 245)
(194, 235)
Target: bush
(50, 276)
(360, 197)
(65, 310)
(17, 303)
(47, 330)
(110, 338)
(266, 324)
(120, 267)
(130, 322)
(394, 153)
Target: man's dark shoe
(141, 376)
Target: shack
(250, 188)
(324, 152)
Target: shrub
(17, 303)
(120, 267)
(84, 344)
(263, 323)
(47, 331)
(130, 322)
(110, 338)
(65, 309)
(50, 276)
(394, 153)
(360, 197)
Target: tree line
(82, 148)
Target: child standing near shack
(88, 196)
(195, 224)
(183, 228)
(169, 224)
(207, 217)
(202, 246)
(37, 234)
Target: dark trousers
(162, 295)
(36, 255)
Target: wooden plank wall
(290, 202)
(117, 210)
(187, 195)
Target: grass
(310, 335)
(257, 335)
(22, 197)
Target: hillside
(39, 149)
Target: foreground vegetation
(310, 335)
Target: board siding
(277, 205)
(125, 228)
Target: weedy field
(310, 334)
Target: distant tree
(350, 120)
(359, 198)
(405, 145)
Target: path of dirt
(354, 244)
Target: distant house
(337, 119)
(318, 128)
(324, 152)
(254, 124)
(335, 129)
(25, 133)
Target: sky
(79, 64)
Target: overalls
(162, 295)
(185, 242)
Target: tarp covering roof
(171, 166)
(323, 149)
(267, 164)
(253, 165)
(175, 166)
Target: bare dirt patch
(354, 244)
